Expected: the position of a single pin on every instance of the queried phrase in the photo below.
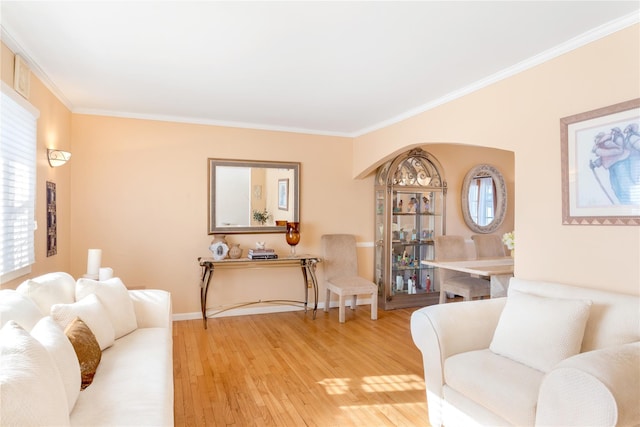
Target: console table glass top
(307, 264)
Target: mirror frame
(501, 198)
(211, 214)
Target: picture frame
(600, 158)
(52, 220)
(21, 77)
(283, 194)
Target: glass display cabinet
(410, 203)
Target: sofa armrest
(440, 331)
(597, 388)
(152, 308)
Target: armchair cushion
(538, 331)
(488, 379)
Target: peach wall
(457, 160)
(521, 114)
(140, 194)
(54, 131)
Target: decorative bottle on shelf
(427, 283)
(399, 283)
(235, 252)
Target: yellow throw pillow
(87, 349)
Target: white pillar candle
(93, 262)
(105, 273)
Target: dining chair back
(453, 248)
(340, 268)
(488, 245)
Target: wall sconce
(57, 157)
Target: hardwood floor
(286, 369)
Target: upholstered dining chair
(453, 248)
(488, 245)
(340, 267)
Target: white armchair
(591, 377)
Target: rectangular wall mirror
(247, 196)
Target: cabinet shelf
(412, 242)
(416, 214)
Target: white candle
(93, 262)
(105, 273)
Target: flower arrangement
(509, 240)
(261, 216)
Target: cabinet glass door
(410, 210)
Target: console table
(307, 264)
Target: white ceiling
(336, 68)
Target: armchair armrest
(598, 388)
(152, 308)
(440, 331)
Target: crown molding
(572, 44)
(16, 47)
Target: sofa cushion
(92, 312)
(503, 386)
(52, 337)
(134, 384)
(115, 298)
(86, 348)
(18, 307)
(31, 390)
(49, 289)
(540, 332)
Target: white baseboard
(259, 309)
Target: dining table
(498, 269)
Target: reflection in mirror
(482, 203)
(484, 199)
(252, 196)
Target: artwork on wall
(52, 220)
(600, 155)
(21, 77)
(283, 194)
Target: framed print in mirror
(600, 155)
(283, 194)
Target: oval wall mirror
(484, 199)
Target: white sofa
(547, 354)
(39, 368)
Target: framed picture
(52, 220)
(283, 194)
(600, 155)
(21, 77)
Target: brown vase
(235, 252)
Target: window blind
(18, 169)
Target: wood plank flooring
(286, 369)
